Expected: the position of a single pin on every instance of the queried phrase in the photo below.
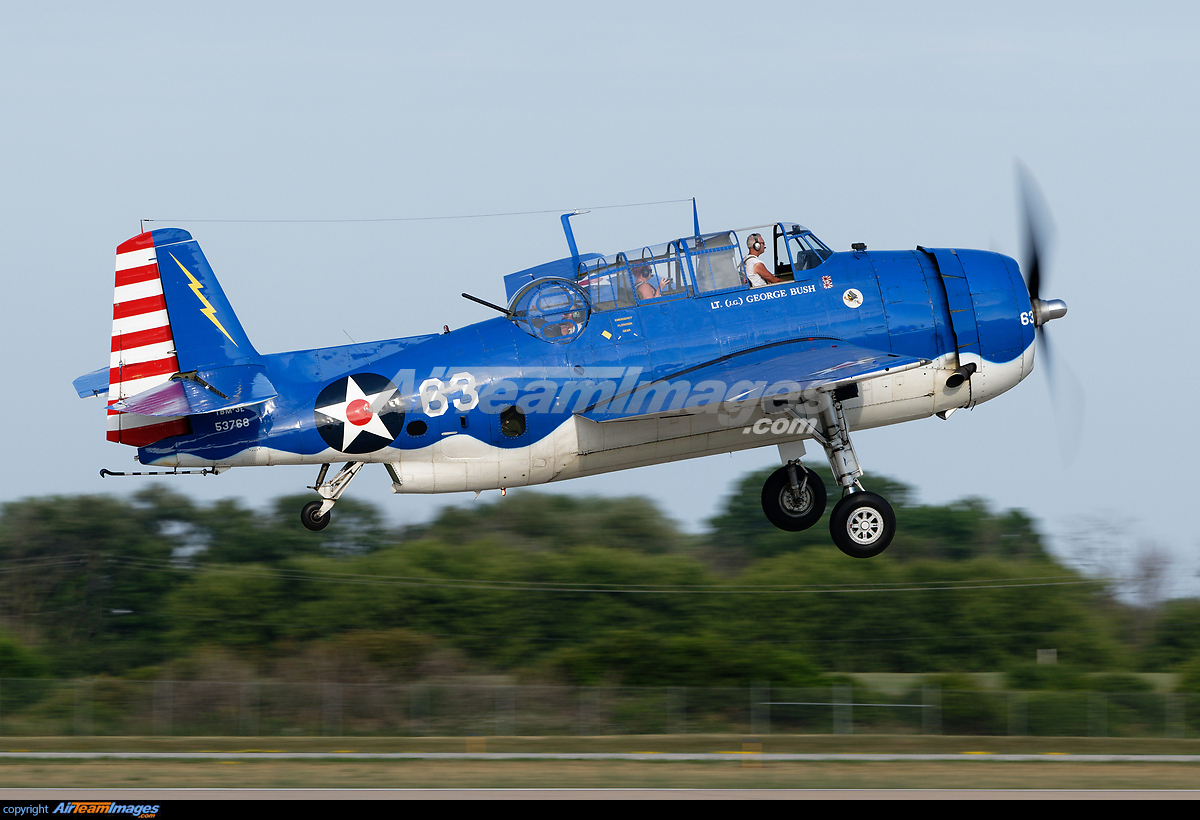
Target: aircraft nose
(1044, 310)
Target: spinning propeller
(1039, 230)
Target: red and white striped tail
(143, 349)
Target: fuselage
(518, 400)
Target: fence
(105, 706)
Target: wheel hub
(865, 525)
(795, 502)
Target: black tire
(311, 516)
(788, 510)
(862, 525)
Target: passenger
(756, 271)
(567, 325)
(644, 287)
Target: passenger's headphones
(755, 242)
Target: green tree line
(547, 587)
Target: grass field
(596, 774)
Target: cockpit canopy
(620, 280)
(801, 250)
(553, 301)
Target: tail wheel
(862, 525)
(312, 518)
(789, 508)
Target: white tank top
(756, 281)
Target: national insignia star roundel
(360, 413)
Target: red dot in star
(358, 412)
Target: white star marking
(357, 413)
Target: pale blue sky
(890, 124)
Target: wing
(780, 371)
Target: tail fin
(169, 315)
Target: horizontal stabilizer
(203, 391)
(92, 384)
(167, 399)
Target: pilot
(644, 287)
(756, 271)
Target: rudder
(169, 316)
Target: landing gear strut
(315, 514)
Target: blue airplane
(705, 344)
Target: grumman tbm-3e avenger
(598, 363)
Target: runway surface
(668, 756)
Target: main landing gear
(793, 498)
(862, 524)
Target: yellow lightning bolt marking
(209, 310)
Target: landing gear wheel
(862, 525)
(312, 518)
(788, 508)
